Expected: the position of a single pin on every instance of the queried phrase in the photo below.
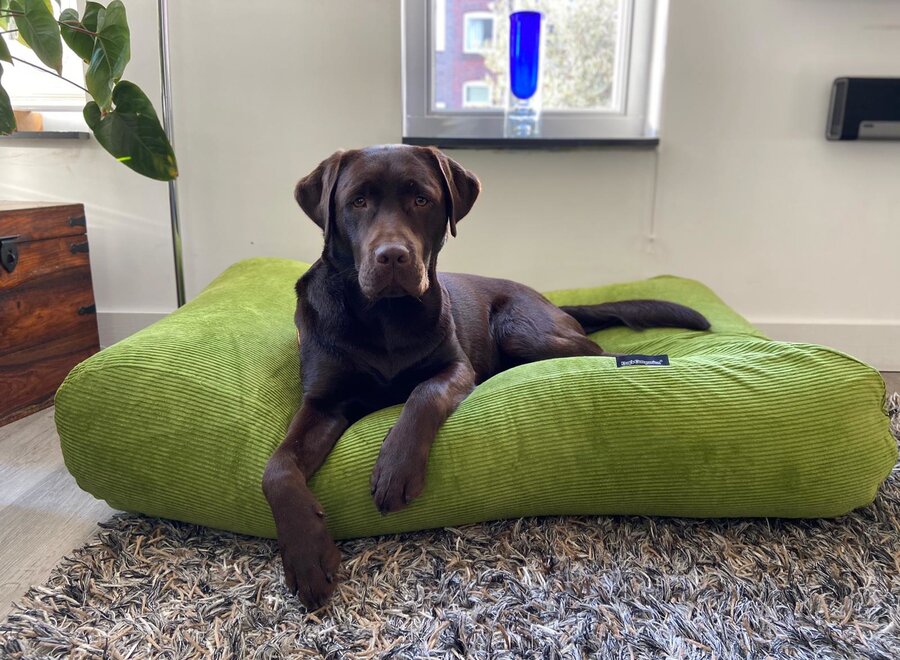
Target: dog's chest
(369, 363)
(377, 354)
(373, 387)
(393, 366)
(392, 348)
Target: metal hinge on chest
(9, 253)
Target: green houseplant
(120, 115)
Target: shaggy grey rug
(549, 588)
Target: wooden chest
(48, 320)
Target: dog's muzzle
(392, 271)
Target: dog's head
(385, 211)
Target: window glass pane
(29, 88)
(579, 57)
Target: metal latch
(9, 253)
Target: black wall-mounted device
(864, 109)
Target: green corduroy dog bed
(178, 421)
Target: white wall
(744, 193)
(800, 234)
(320, 76)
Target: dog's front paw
(311, 559)
(399, 474)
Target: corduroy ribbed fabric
(178, 421)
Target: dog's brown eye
(421, 201)
(359, 202)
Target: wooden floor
(43, 513)
(892, 380)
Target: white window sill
(58, 125)
(534, 143)
(47, 135)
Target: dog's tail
(637, 315)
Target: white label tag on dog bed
(646, 360)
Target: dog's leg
(399, 474)
(536, 330)
(525, 347)
(309, 555)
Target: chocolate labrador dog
(378, 325)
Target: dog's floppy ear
(461, 187)
(315, 192)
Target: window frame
(641, 28)
(471, 16)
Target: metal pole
(167, 126)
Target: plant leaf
(4, 20)
(5, 55)
(132, 133)
(7, 116)
(81, 44)
(40, 31)
(112, 50)
(93, 16)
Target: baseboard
(115, 326)
(875, 343)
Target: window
(478, 31)
(30, 89)
(598, 59)
(476, 94)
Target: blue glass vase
(523, 107)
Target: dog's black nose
(390, 254)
